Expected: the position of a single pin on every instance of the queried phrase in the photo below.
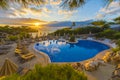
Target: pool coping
(98, 56)
(43, 54)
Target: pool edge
(42, 53)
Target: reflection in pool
(61, 51)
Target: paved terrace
(39, 59)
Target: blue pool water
(61, 51)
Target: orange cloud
(20, 21)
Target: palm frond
(4, 4)
(107, 2)
(27, 2)
(71, 4)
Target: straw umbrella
(19, 43)
(59, 35)
(31, 35)
(25, 50)
(64, 35)
(90, 34)
(2, 41)
(8, 68)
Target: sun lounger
(18, 51)
(26, 57)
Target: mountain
(68, 23)
(115, 27)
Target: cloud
(21, 21)
(66, 12)
(100, 16)
(46, 10)
(55, 2)
(50, 11)
(112, 9)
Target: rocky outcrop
(93, 65)
(112, 57)
(77, 66)
(107, 57)
(116, 73)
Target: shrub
(98, 23)
(118, 43)
(51, 72)
(72, 38)
(82, 30)
(117, 35)
(13, 38)
(115, 49)
(108, 33)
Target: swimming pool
(61, 51)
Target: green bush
(82, 30)
(117, 20)
(50, 72)
(72, 38)
(108, 33)
(99, 23)
(16, 30)
(13, 38)
(117, 35)
(118, 43)
(115, 49)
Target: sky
(92, 10)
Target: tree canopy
(117, 20)
(99, 23)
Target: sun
(36, 24)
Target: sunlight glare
(36, 24)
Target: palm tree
(5, 3)
(73, 24)
(117, 20)
(99, 23)
(71, 4)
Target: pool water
(61, 51)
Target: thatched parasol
(25, 50)
(8, 68)
(2, 41)
(19, 44)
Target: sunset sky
(93, 9)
